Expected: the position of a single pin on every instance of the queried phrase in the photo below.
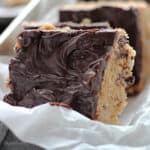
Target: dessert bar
(85, 70)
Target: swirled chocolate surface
(60, 66)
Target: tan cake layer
(112, 97)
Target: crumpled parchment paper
(59, 128)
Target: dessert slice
(86, 70)
(132, 16)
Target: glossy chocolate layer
(60, 66)
(117, 17)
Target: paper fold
(54, 127)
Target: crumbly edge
(112, 95)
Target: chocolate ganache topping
(60, 66)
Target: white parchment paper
(59, 128)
